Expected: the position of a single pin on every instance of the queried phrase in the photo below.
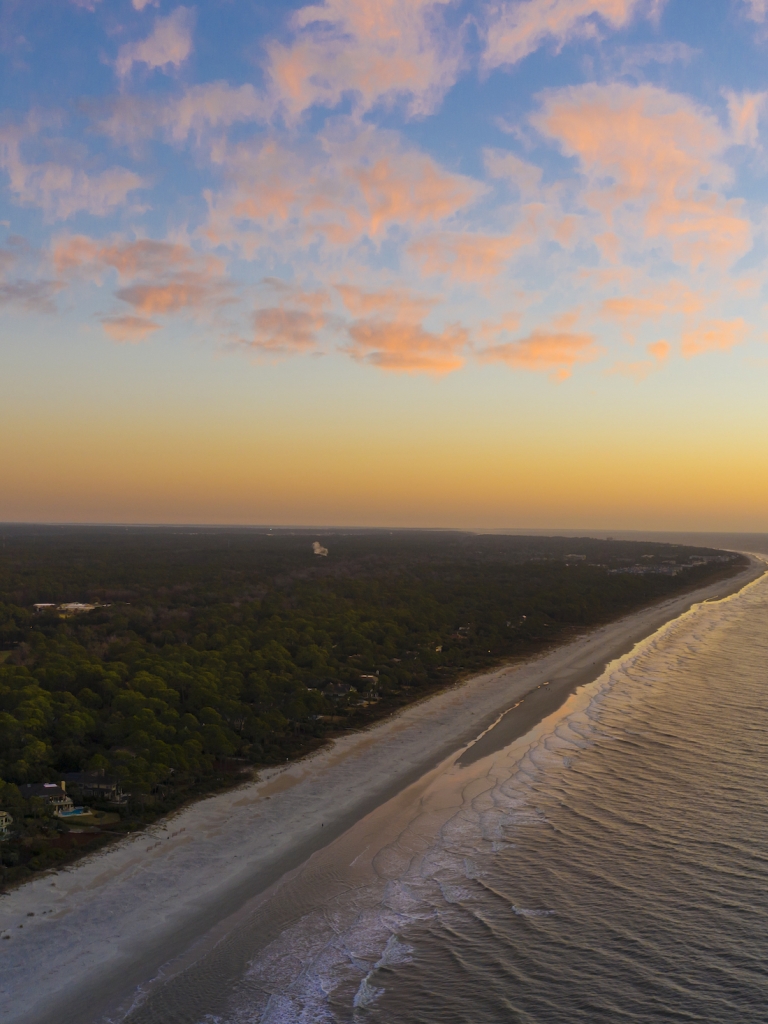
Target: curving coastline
(106, 924)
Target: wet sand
(105, 925)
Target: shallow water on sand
(610, 866)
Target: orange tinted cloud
(674, 298)
(34, 296)
(407, 347)
(199, 109)
(146, 256)
(630, 307)
(757, 10)
(465, 256)
(371, 50)
(411, 188)
(289, 326)
(269, 185)
(640, 369)
(713, 336)
(565, 230)
(20, 283)
(357, 184)
(651, 151)
(492, 330)
(60, 190)
(184, 291)
(526, 177)
(516, 29)
(744, 112)
(285, 331)
(392, 303)
(659, 350)
(165, 277)
(128, 329)
(555, 352)
(169, 44)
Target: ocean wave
(339, 961)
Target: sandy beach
(81, 940)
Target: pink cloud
(292, 323)
(555, 352)
(19, 286)
(744, 113)
(659, 350)
(491, 331)
(184, 291)
(713, 336)
(641, 368)
(405, 347)
(651, 304)
(393, 303)
(34, 296)
(756, 10)
(146, 256)
(411, 188)
(61, 191)
(128, 329)
(345, 187)
(282, 331)
(159, 277)
(565, 230)
(652, 160)
(465, 256)
(372, 50)
(526, 177)
(515, 29)
(198, 110)
(168, 45)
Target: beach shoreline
(94, 931)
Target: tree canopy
(212, 650)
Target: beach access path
(85, 937)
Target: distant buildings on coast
(670, 567)
(68, 608)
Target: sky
(385, 263)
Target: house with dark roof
(51, 793)
(96, 785)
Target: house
(370, 686)
(337, 690)
(43, 606)
(53, 795)
(5, 823)
(96, 785)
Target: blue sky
(553, 205)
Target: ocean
(610, 866)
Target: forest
(200, 655)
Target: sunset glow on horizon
(385, 263)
